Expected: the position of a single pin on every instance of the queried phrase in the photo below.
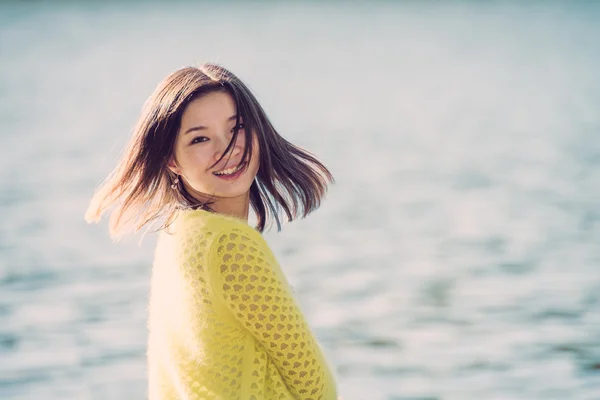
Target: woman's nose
(235, 150)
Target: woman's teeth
(230, 171)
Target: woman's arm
(251, 284)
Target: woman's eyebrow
(201, 127)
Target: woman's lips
(234, 175)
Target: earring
(174, 185)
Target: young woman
(223, 322)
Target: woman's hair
(140, 190)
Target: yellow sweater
(223, 322)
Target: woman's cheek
(202, 156)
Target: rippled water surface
(457, 255)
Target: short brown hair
(138, 192)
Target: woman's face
(206, 129)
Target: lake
(457, 255)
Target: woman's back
(223, 321)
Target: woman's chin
(221, 190)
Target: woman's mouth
(231, 173)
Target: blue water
(456, 257)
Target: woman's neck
(237, 207)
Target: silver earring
(174, 185)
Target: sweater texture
(223, 322)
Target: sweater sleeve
(246, 277)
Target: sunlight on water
(456, 257)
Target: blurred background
(457, 255)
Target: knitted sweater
(223, 322)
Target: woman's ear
(173, 167)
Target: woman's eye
(237, 127)
(199, 139)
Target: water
(455, 258)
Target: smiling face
(206, 129)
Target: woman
(223, 323)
